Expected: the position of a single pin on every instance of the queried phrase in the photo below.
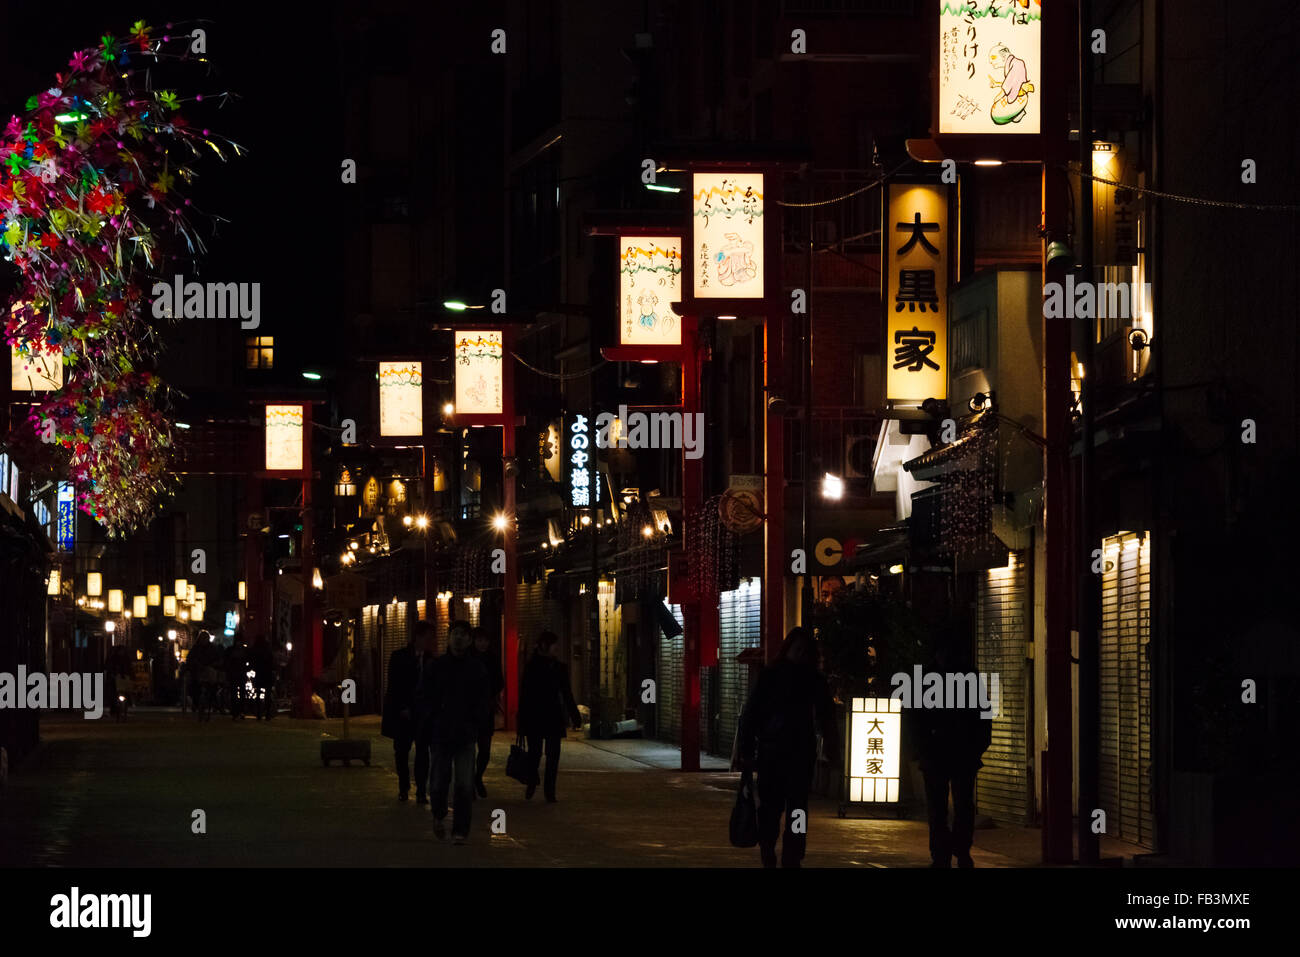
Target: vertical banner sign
(284, 438)
(401, 398)
(875, 740)
(67, 527)
(990, 66)
(916, 303)
(479, 372)
(649, 272)
(584, 476)
(1114, 209)
(727, 218)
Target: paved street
(106, 794)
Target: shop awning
(963, 454)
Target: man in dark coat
(546, 705)
(237, 677)
(460, 699)
(950, 743)
(408, 670)
(778, 738)
(496, 681)
(262, 661)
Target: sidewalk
(105, 794)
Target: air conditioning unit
(859, 454)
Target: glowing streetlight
(422, 522)
(499, 521)
(832, 487)
(110, 626)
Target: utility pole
(1089, 595)
(806, 593)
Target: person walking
(496, 682)
(408, 669)
(778, 739)
(460, 700)
(237, 677)
(951, 742)
(546, 705)
(262, 662)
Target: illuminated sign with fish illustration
(649, 271)
(990, 66)
(727, 245)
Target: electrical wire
(850, 195)
(560, 375)
(1179, 198)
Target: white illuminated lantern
(875, 743)
(727, 240)
(649, 278)
(284, 438)
(479, 370)
(401, 398)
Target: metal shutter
(1125, 745)
(740, 627)
(1001, 629)
(669, 710)
(394, 631)
(372, 638)
(442, 624)
(613, 655)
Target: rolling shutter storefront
(1004, 787)
(669, 677)
(370, 638)
(1125, 745)
(394, 631)
(740, 627)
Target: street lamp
(499, 521)
(110, 626)
(832, 487)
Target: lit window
(261, 351)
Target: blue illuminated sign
(67, 532)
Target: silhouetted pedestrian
(408, 671)
(237, 677)
(950, 742)
(461, 697)
(262, 664)
(496, 681)
(778, 739)
(546, 706)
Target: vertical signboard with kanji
(67, 517)
(990, 66)
(649, 277)
(479, 372)
(916, 300)
(727, 241)
(875, 743)
(583, 482)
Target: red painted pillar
(692, 496)
(775, 555)
(510, 613)
(311, 628)
(1058, 824)
(255, 619)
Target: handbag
(520, 765)
(744, 816)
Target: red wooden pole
(510, 614)
(692, 496)
(775, 555)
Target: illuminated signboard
(401, 398)
(875, 742)
(35, 370)
(584, 476)
(727, 244)
(990, 66)
(916, 301)
(649, 277)
(284, 438)
(67, 526)
(479, 370)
